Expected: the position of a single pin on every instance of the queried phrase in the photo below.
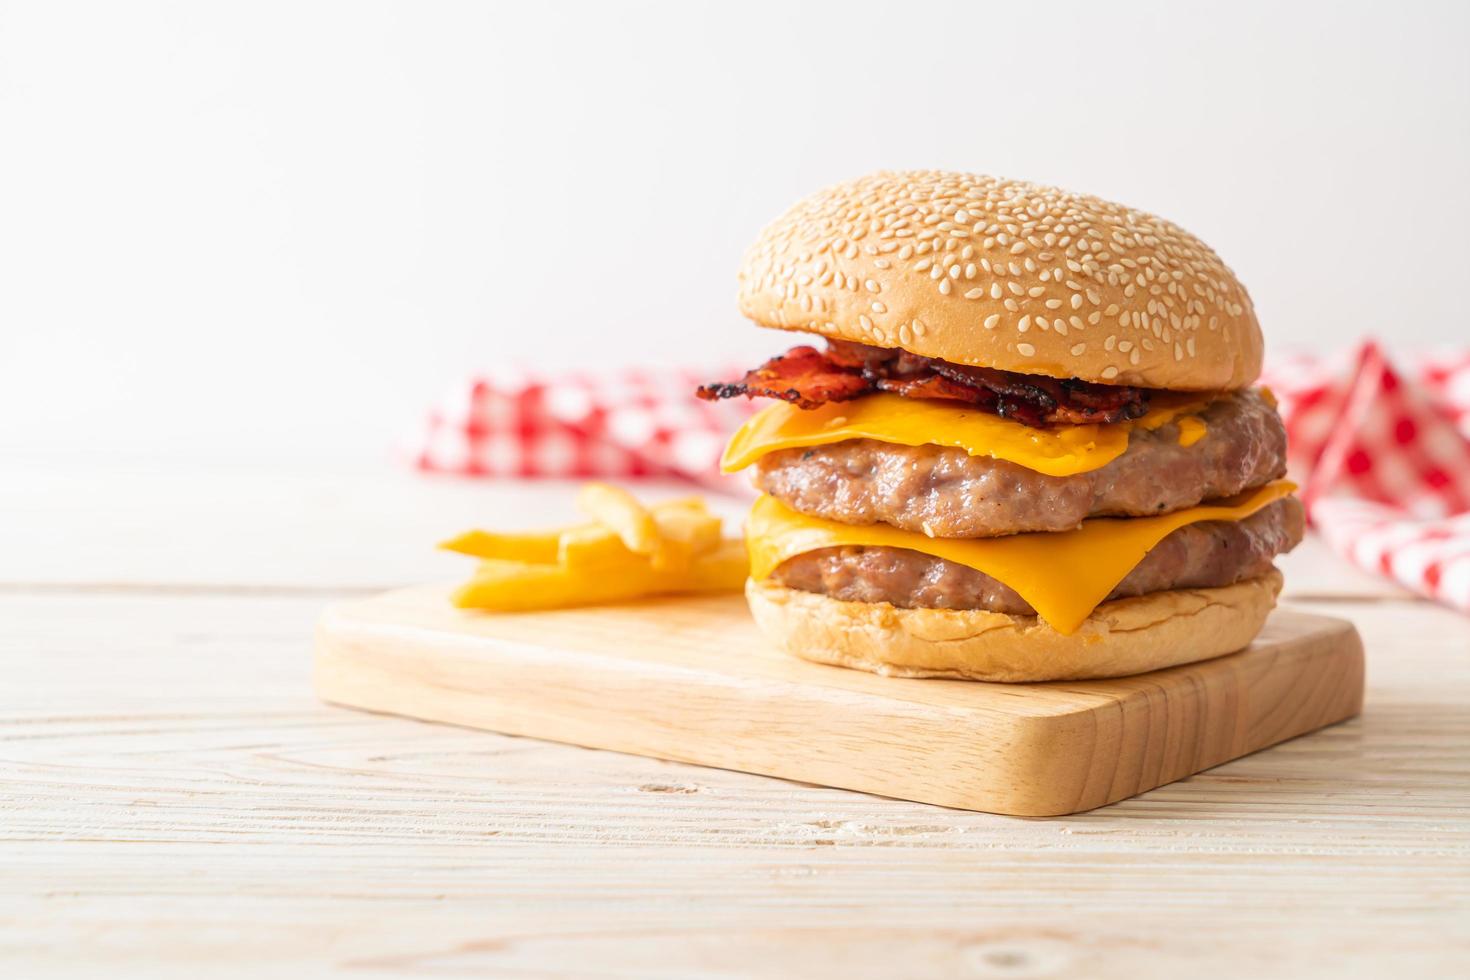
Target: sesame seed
(1024, 324)
(992, 321)
(879, 307)
(1110, 372)
(1152, 267)
(944, 286)
(1078, 349)
(975, 293)
(871, 286)
(1025, 350)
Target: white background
(275, 233)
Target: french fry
(724, 569)
(532, 546)
(618, 511)
(628, 552)
(685, 531)
(507, 586)
(593, 546)
(682, 503)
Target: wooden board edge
(1265, 702)
(1042, 743)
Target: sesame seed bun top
(1005, 274)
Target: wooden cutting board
(690, 679)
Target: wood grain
(174, 802)
(691, 679)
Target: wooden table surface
(174, 801)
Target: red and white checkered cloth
(626, 423)
(1383, 458)
(1384, 462)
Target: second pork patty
(1208, 554)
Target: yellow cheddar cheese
(1062, 451)
(1191, 430)
(1064, 576)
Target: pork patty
(1203, 555)
(946, 492)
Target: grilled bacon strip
(803, 376)
(807, 378)
(935, 386)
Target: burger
(1019, 443)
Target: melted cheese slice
(1064, 576)
(1191, 430)
(1063, 451)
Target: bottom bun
(1125, 636)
